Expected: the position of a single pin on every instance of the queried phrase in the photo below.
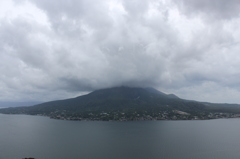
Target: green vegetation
(123, 104)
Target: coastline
(126, 120)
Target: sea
(23, 136)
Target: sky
(61, 49)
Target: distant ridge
(123, 103)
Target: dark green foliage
(223, 107)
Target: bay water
(44, 138)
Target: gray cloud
(214, 9)
(60, 49)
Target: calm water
(44, 138)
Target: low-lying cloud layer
(59, 49)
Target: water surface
(44, 138)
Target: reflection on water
(44, 138)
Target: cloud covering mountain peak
(58, 49)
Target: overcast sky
(57, 49)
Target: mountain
(152, 90)
(119, 103)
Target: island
(128, 104)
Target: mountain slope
(118, 103)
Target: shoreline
(125, 120)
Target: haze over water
(44, 138)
